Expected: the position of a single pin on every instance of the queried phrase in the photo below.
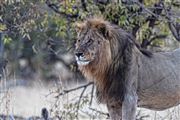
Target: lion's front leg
(115, 111)
(129, 106)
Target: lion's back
(176, 54)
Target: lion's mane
(112, 71)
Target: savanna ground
(23, 100)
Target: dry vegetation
(75, 102)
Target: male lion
(125, 75)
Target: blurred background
(37, 67)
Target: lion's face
(92, 48)
(87, 47)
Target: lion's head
(92, 51)
(91, 42)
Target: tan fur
(125, 74)
(95, 72)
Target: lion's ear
(100, 25)
(103, 29)
(78, 27)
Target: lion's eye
(78, 40)
(89, 41)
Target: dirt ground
(28, 100)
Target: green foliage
(2, 27)
(34, 25)
(7, 40)
(30, 24)
(124, 16)
(150, 2)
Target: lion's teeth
(82, 62)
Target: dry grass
(28, 101)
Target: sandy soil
(24, 101)
(28, 101)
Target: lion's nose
(78, 54)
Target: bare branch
(74, 89)
(141, 117)
(173, 26)
(100, 112)
(92, 94)
(84, 5)
(147, 10)
(79, 101)
(102, 1)
(158, 37)
(175, 30)
(146, 42)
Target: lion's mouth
(81, 61)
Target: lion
(126, 76)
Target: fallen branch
(73, 89)
(139, 116)
(79, 101)
(100, 112)
(92, 94)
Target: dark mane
(142, 50)
(111, 73)
(132, 39)
(118, 71)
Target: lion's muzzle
(80, 58)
